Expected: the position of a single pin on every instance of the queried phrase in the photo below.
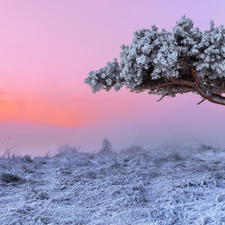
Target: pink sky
(47, 49)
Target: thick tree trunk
(201, 90)
(182, 86)
(206, 94)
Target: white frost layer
(171, 186)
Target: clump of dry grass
(204, 147)
(9, 150)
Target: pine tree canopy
(169, 63)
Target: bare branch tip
(158, 100)
(201, 101)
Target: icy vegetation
(153, 55)
(169, 63)
(173, 185)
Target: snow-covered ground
(135, 186)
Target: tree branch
(182, 86)
(182, 82)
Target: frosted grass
(134, 186)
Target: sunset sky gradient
(47, 49)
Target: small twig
(158, 100)
(136, 140)
(201, 101)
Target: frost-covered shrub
(106, 150)
(204, 147)
(131, 152)
(27, 159)
(9, 178)
(67, 149)
(27, 170)
(176, 156)
(106, 145)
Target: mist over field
(177, 130)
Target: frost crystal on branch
(167, 63)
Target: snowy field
(134, 186)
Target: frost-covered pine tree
(167, 64)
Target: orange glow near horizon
(63, 110)
(37, 111)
